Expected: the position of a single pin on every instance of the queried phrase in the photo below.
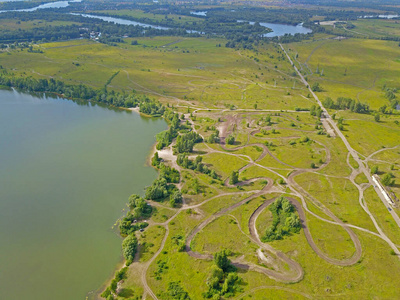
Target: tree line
(80, 91)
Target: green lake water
(66, 172)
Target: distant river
(57, 4)
(120, 21)
(66, 172)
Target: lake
(282, 29)
(66, 172)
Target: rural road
(362, 166)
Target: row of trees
(165, 138)
(197, 164)
(185, 142)
(343, 103)
(84, 92)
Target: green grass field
(236, 91)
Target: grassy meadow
(235, 91)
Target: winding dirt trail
(295, 272)
(363, 166)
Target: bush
(185, 143)
(234, 178)
(129, 246)
(285, 221)
(387, 179)
(374, 170)
(158, 190)
(176, 199)
(230, 140)
(316, 88)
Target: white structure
(389, 200)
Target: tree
(158, 190)
(388, 179)
(268, 120)
(377, 118)
(222, 261)
(175, 199)
(374, 170)
(293, 222)
(234, 178)
(230, 140)
(315, 87)
(155, 160)
(213, 138)
(129, 246)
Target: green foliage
(213, 138)
(155, 161)
(377, 117)
(234, 178)
(106, 293)
(223, 281)
(158, 190)
(152, 108)
(171, 175)
(304, 139)
(230, 140)
(165, 138)
(129, 247)
(185, 143)
(140, 208)
(185, 162)
(111, 78)
(316, 111)
(179, 240)
(343, 103)
(175, 199)
(176, 292)
(222, 261)
(374, 170)
(80, 91)
(268, 120)
(316, 87)
(121, 274)
(129, 225)
(162, 267)
(285, 221)
(388, 179)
